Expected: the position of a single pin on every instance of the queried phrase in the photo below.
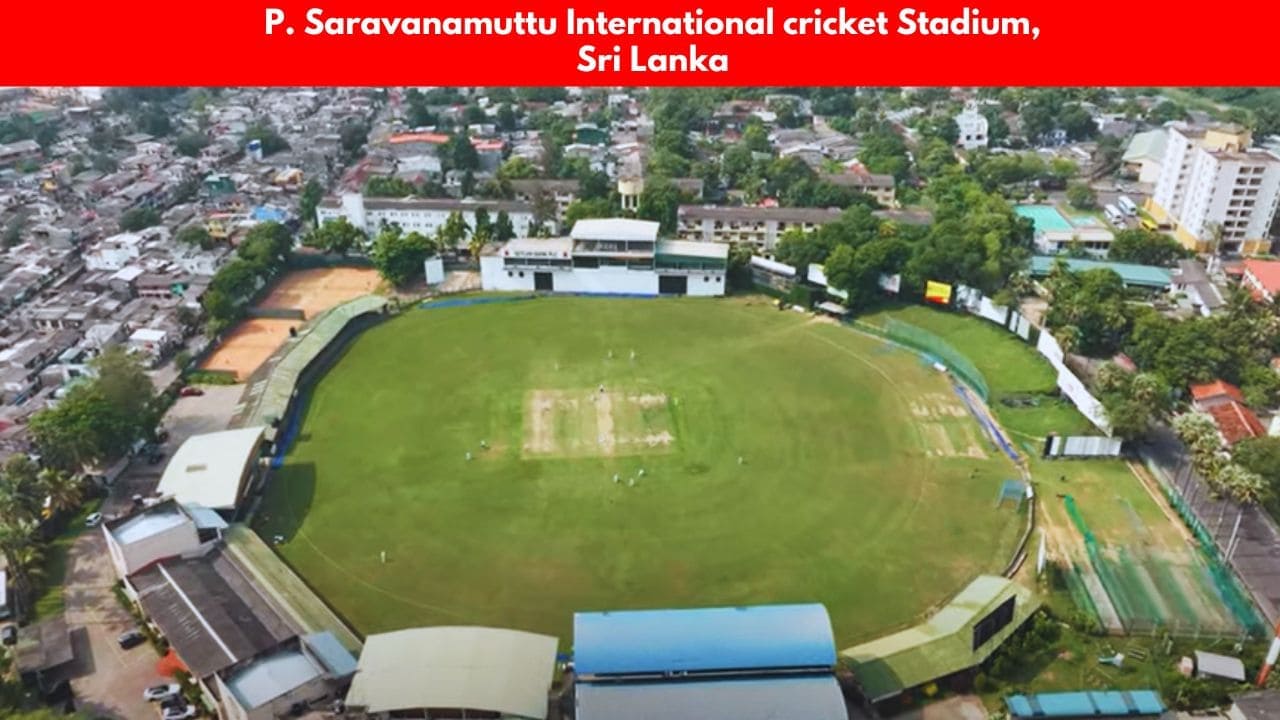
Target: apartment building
(758, 226)
(1215, 191)
(422, 215)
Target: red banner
(717, 42)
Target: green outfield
(517, 462)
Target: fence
(468, 301)
(974, 302)
(935, 348)
(1057, 446)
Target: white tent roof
(474, 668)
(618, 229)
(208, 469)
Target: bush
(801, 295)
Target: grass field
(1010, 366)
(784, 459)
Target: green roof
(1147, 146)
(941, 645)
(1151, 276)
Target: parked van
(1127, 205)
(1114, 215)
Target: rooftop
(209, 612)
(1149, 276)
(271, 676)
(1085, 704)
(209, 469)
(687, 248)
(702, 640)
(472, 668)
(1217, 388)
(147, 523)
(617, 229)
(759, 214)
(811, 698)
(1267, 273)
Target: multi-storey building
(422, 215)
(1217, 193)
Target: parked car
(130, 639)
(9, 635)
(155, 456)
(191, 391)
(93, 520)
(179, 713)
(160, 693)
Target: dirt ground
(314, 291)
(251, 342)
(567, 423)
(248, 346)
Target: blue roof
(335, 658)
(702, 640)
(1085, 704)
(267, 213)
(815, 697)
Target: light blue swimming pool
(1046, 217)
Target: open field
(316, 290)
(516, 463)
(250, 343)
(1010, 366)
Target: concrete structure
(757, 226)
(16, 153)
(422, 215)
(454, 670)
(880, 187)
(607, 257)
(1145, 155)
(163, 531)
(973, 128)
(214, 470)
(1212, 182)
(300, 673)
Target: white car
(93, 520)
(179, 713)
(160, 693)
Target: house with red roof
(1224, 402)
(1262, 278)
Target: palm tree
(63, 490)
(1248, 489)
(25, 555)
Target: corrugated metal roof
(620, 229)
(472, 668)
(637, 642)
(1222, 666)
(1085, 704)
(271, 676)
(810, 698)
(1137, 275)
(336, 659)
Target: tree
(1145, 247)
(1166, 111)
(884, 151)
(197, 235)
(586, 209)
(389, 186)
(267, 245)
(1077, 122)
(1093, 302)
(63, 489)
(20, 544)
(1260, 455)
(308, 199)
(506, 118)
(271, 141)
(399, 256)
(459, 154)
(1247, 489)
(454, 231)
(1132, 401)
(138, 219)
(1260, 386)
(124, 384)
(1081, 196)
(659, 201)
(190, 144)
(153, 120)
(1199, 433)
(337, 236)
(517, 168)
(503, 230)
(352, 137)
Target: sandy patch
(316, 290)
(939, 442)
(248, 345)
(604, 423)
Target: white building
(1211, 180)
(114, 253)
(214, 470)
(303, 671)
(421, 215)
(163, 531)
(607, 257)
(1145, 154)
(973, 128)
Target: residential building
(1262, 278)
(879, 187)
(1217, 193)
(607, 257)
(1224, 402)
(973, 128)
(530, 191)
(757, 226)
(16, 153)
(1144, 156)
(422, 215)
